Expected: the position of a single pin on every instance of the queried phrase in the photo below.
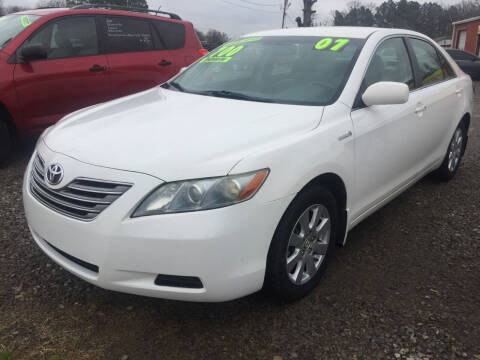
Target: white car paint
(161, 136)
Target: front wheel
(454, 154)
(302, 244)
(6, 142)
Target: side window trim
(358, 103)
(17, 59)
(420, 86)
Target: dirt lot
(406, 286)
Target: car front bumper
(225, 248)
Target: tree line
(429, 18)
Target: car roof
(334, 31)
(71, 11)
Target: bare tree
(51, 3)
(307, 14)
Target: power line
(286, 5)
(249, 8)
(259, 4)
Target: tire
(6, 141)
(285, 275)
(453, 157)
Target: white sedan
(246, 169)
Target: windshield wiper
(173, 84)
(235, 95)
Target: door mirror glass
(31, 52)
(386, 93)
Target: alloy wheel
(308, 244)
(455, 150)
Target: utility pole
(286, 4)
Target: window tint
(128, 35)
(172, 34)
(428, 61)
(72, 37)
(390, 63)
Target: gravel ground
(406, 286)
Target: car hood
(174, 135)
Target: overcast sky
(237, 17)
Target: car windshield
(303, 70)
(12, 25)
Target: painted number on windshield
(223, 55)
(25, 21)
(226, 52)
(330, 44)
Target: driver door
(386, 144)
(73, 76)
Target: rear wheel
(6, 141)
(302, 244)
(454, 154)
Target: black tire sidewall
(5, 141)
(276, 275)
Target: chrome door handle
(458, 91)
(346, 135)
(420, 109)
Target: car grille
(82, 199)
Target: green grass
(6, 355)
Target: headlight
(201, 194)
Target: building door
(461, 39)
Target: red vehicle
(56, 61)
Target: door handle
(165, 63)
(458, 91)
(97, 68)
(420, 109)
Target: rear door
(440, 93)
(173, 35)
(137, 58)
(73, 76)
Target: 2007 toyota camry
(246, 169)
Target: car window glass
(128, 35)
(303, 70)
(390, 63)
(72, 37)
(446, 68)
(428, 62)
(172, 34)
(12, 25)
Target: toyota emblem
(54, 174)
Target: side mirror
(386, 93)
(32, 52)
